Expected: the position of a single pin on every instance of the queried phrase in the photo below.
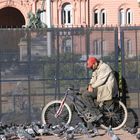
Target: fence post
(120, 71)
(29, 71)
(0, 94)
(122, 82)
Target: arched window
(122, 17)
(99, 17)
(67, 14)
(96, 17)
(103, 17)
(126, 17)
(129, 17)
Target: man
(101, 86)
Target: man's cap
(91, 61)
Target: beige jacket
(103, 82)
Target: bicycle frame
(62, 104)
(59, 111)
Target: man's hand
(90, 88)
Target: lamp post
(48, 12)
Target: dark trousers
(89, 100)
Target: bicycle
(58, 111)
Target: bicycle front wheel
(114, 115)
(49, 111)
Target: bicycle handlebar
(73, 89)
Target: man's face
(94, 66)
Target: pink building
(97, 12)
(81, 13)
(72, 12)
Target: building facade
(77, 13)
(72, 12)
(95, 13)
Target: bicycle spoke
(115, 121)
(113, 115)
(106, 120)
(51, 111)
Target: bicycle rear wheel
(114, 114)
(49, 111)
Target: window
(99, 17)
(97, 48)
(67, 14)
(105, 50)
(67, 45)
(126, 17)
(43, 17)
(129, 16)
(103, 17)
(96, 17)
(128, 48)
(122, 17)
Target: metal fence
(36, 66)
(130, 50)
